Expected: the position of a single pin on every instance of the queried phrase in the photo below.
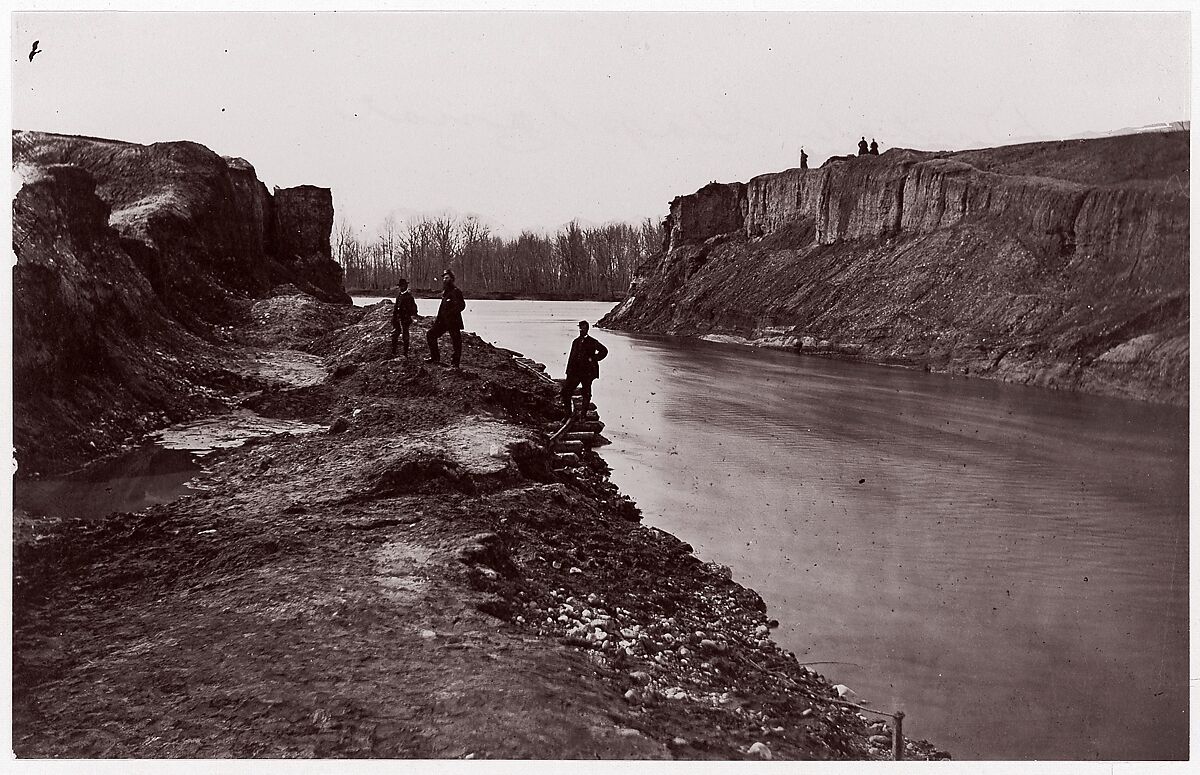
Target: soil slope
(416, 582)
(1056, 264)
(132, 262)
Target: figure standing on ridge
(583, 366)
(874, 147)
(862, 147)
(803, 159)
(449, 321)
(403, 313)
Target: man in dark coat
(448, 321)
(583, 366)
(403, 313)
(874, 148)
(862, 147)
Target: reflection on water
(1008, 565)
(149, 475)
(145, 477)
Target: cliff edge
(131, 262)
(1058, 264)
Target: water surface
(1008, 565)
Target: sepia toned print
(547, 385)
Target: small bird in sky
(34, 50)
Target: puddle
(152, 474)
(227, 430)
(144, 477)
(285, 367)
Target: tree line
(592, 262)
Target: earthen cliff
(1056, 264)
(131, 261)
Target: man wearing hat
(583, 366)
(403, 312)
(449, 321)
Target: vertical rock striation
(1056, 264)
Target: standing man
(583, 366)
(874, 148)
(403, 313)
(449, 321)
(862, 146)
(803, 159)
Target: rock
(958, 232)
(427, 634)
(340, 425)
(641, 676)
(130, 249)
(880, 740)
(633, 697)
(760, 750)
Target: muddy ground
(417, 581)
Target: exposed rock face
(718, 208)
(129, 259)
(300, 229)
(1057, 264)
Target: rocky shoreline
(419, 581)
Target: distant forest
(576, 262)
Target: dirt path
(414, 582)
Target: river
(1007, 565)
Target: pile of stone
(579, 432)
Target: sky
(531, 119)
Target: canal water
(1007, 565)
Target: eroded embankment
(133, 261)
(1055, 264)
(416, 582)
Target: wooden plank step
(586, 426)
(585, 437)
(563, 445)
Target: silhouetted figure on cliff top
(803, 159)
(862, 147)
(874, 147)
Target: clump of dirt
(424, 582)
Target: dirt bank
(415, 582)
(1061, 265)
